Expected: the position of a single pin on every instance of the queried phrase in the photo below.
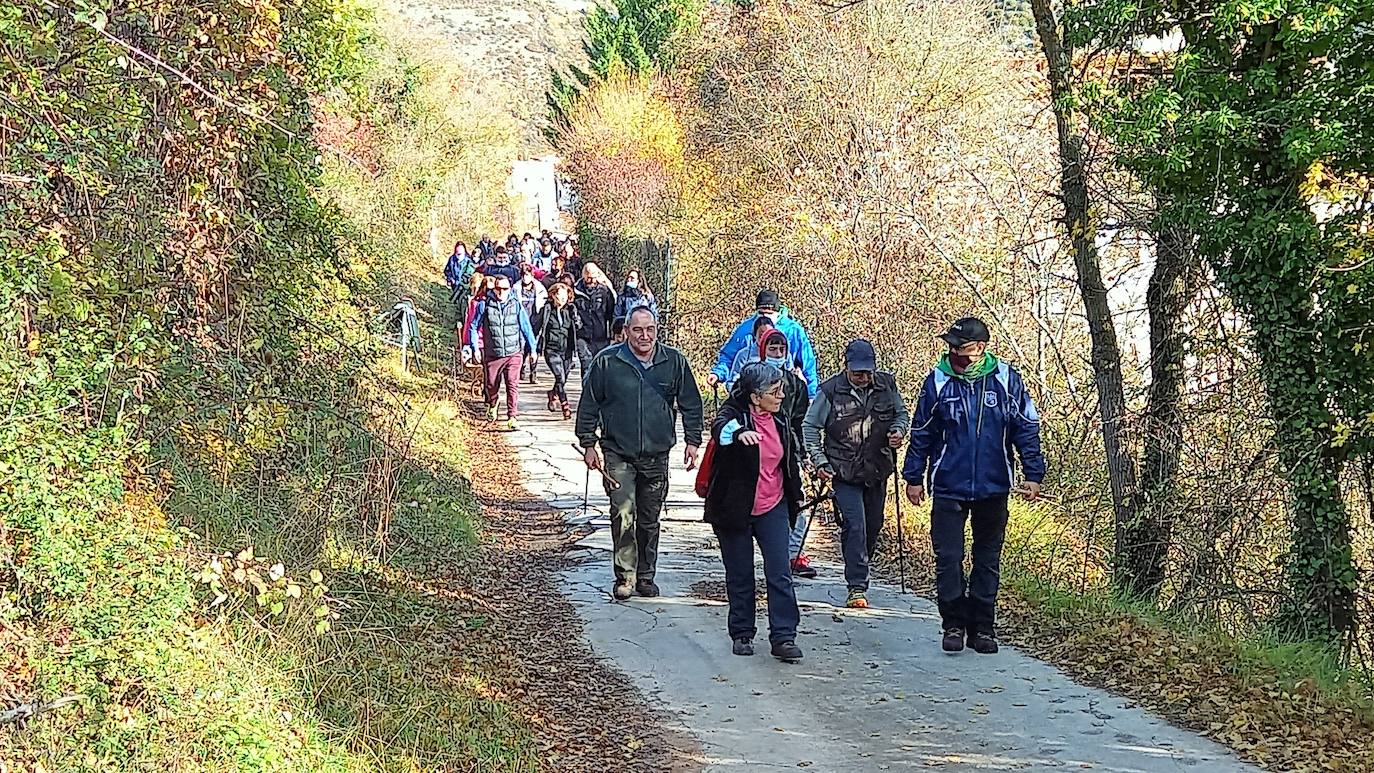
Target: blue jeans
(737, 553)
(861, 518)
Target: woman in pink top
(755, 494)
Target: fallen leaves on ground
(585, 715)
(1202, 683)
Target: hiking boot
(512, 424)
(646, 588)
(787, 650)
(567, 412)
(743, 647)
(857, 599)
(983, 643)
(953, 640)
(491, 412)
(623, 590)
(801, 567)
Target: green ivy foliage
(1257, 135)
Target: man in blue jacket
(798, 343)
(973, 413)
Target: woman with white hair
(595, 301)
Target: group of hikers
(973, 423)
(527, 299)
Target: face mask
(960, 362)
(631, 284)
(777, 362)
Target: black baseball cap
(859, 355)
(965, 331)
(767, 299)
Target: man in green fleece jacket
(632, 393)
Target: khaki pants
(635, 507)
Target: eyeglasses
(775, 391)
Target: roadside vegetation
(232, 530)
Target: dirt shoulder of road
(585, 715)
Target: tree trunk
(1143, 542)
(1106, 353)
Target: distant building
(534, 188)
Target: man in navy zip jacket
(973, 418)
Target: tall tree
(1145, 538)
(1082, 227)
(1259, 134)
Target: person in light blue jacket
(750, 352)
(974, 417)
(798, 343)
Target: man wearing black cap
(850, 432)
(974, 410)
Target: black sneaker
(622, 590)
(787, 650)
(743, 647)
(953, 641)
(646, 588)
(983, 643)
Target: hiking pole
(901, 541)
(612, 482)
(821, 496)
(586, 489)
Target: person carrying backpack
(973, 412)
(507, 339)
(772, 349)
(851, 432)
(631, 395)
(755, 494)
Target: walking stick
(612, 482)
(715, 400)
(901, 541)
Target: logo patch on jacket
(990, 399)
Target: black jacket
(735, 473)
(560, 329)
(596, 307)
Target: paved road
(874, 692)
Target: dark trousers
(560, 365)
(635, 508)
(529, 366)
(771, 530)
(586, 350)
(507, 369)
(968, 602)
(861, 519)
